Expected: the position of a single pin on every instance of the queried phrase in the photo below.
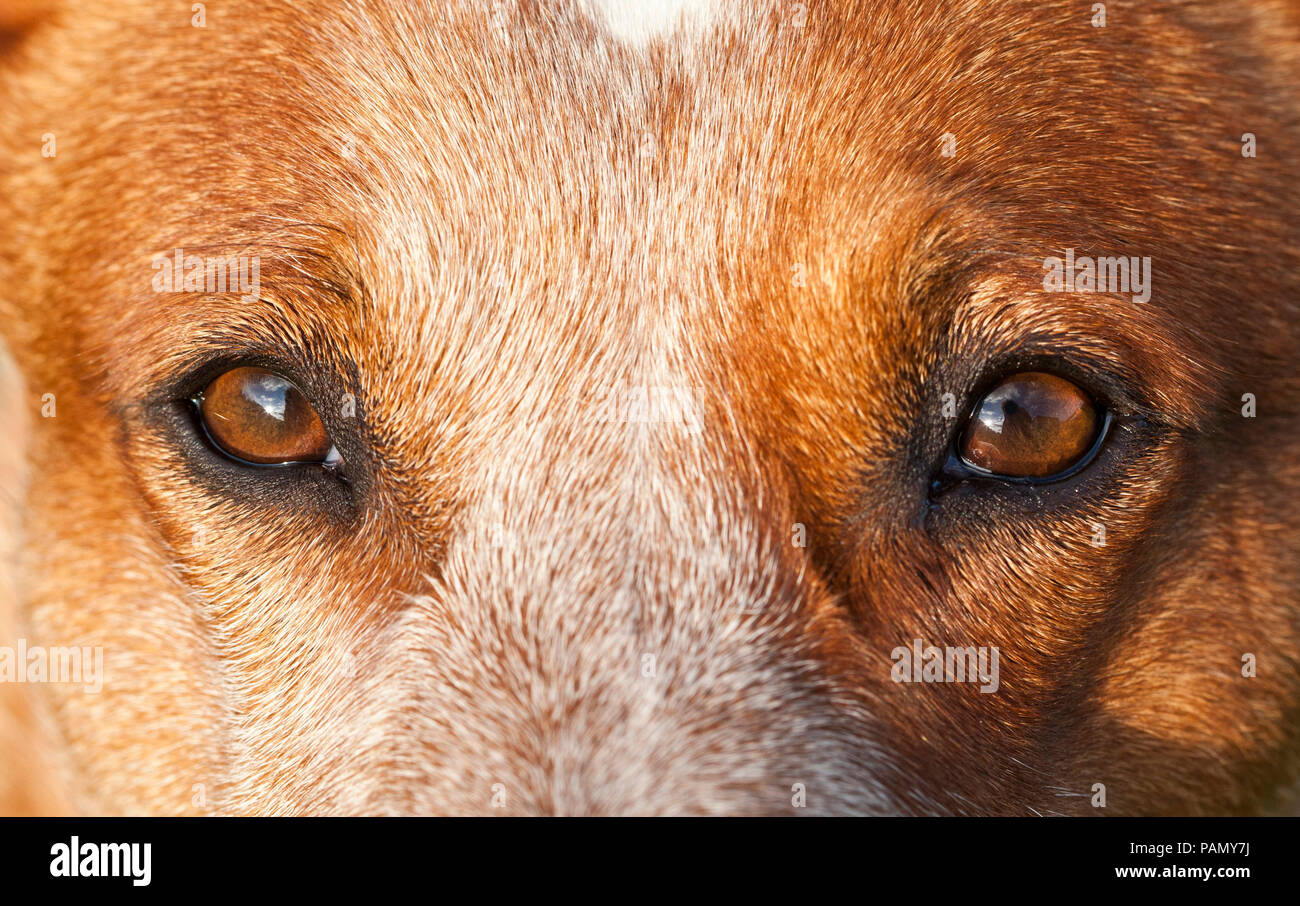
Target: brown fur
(376, 649)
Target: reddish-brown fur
(474, 229)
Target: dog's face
(662, 376)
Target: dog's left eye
(1032, 425)
(256, 416)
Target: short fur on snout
(643, 348)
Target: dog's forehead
(555, 196)
(522, 188)
(579, 178)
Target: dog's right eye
(258, 417)
(1031, 425)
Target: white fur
(638, 22)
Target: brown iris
(1031, 425)
(257, 416)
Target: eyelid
(294, 357)
(1103, 369)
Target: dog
(583, 407)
